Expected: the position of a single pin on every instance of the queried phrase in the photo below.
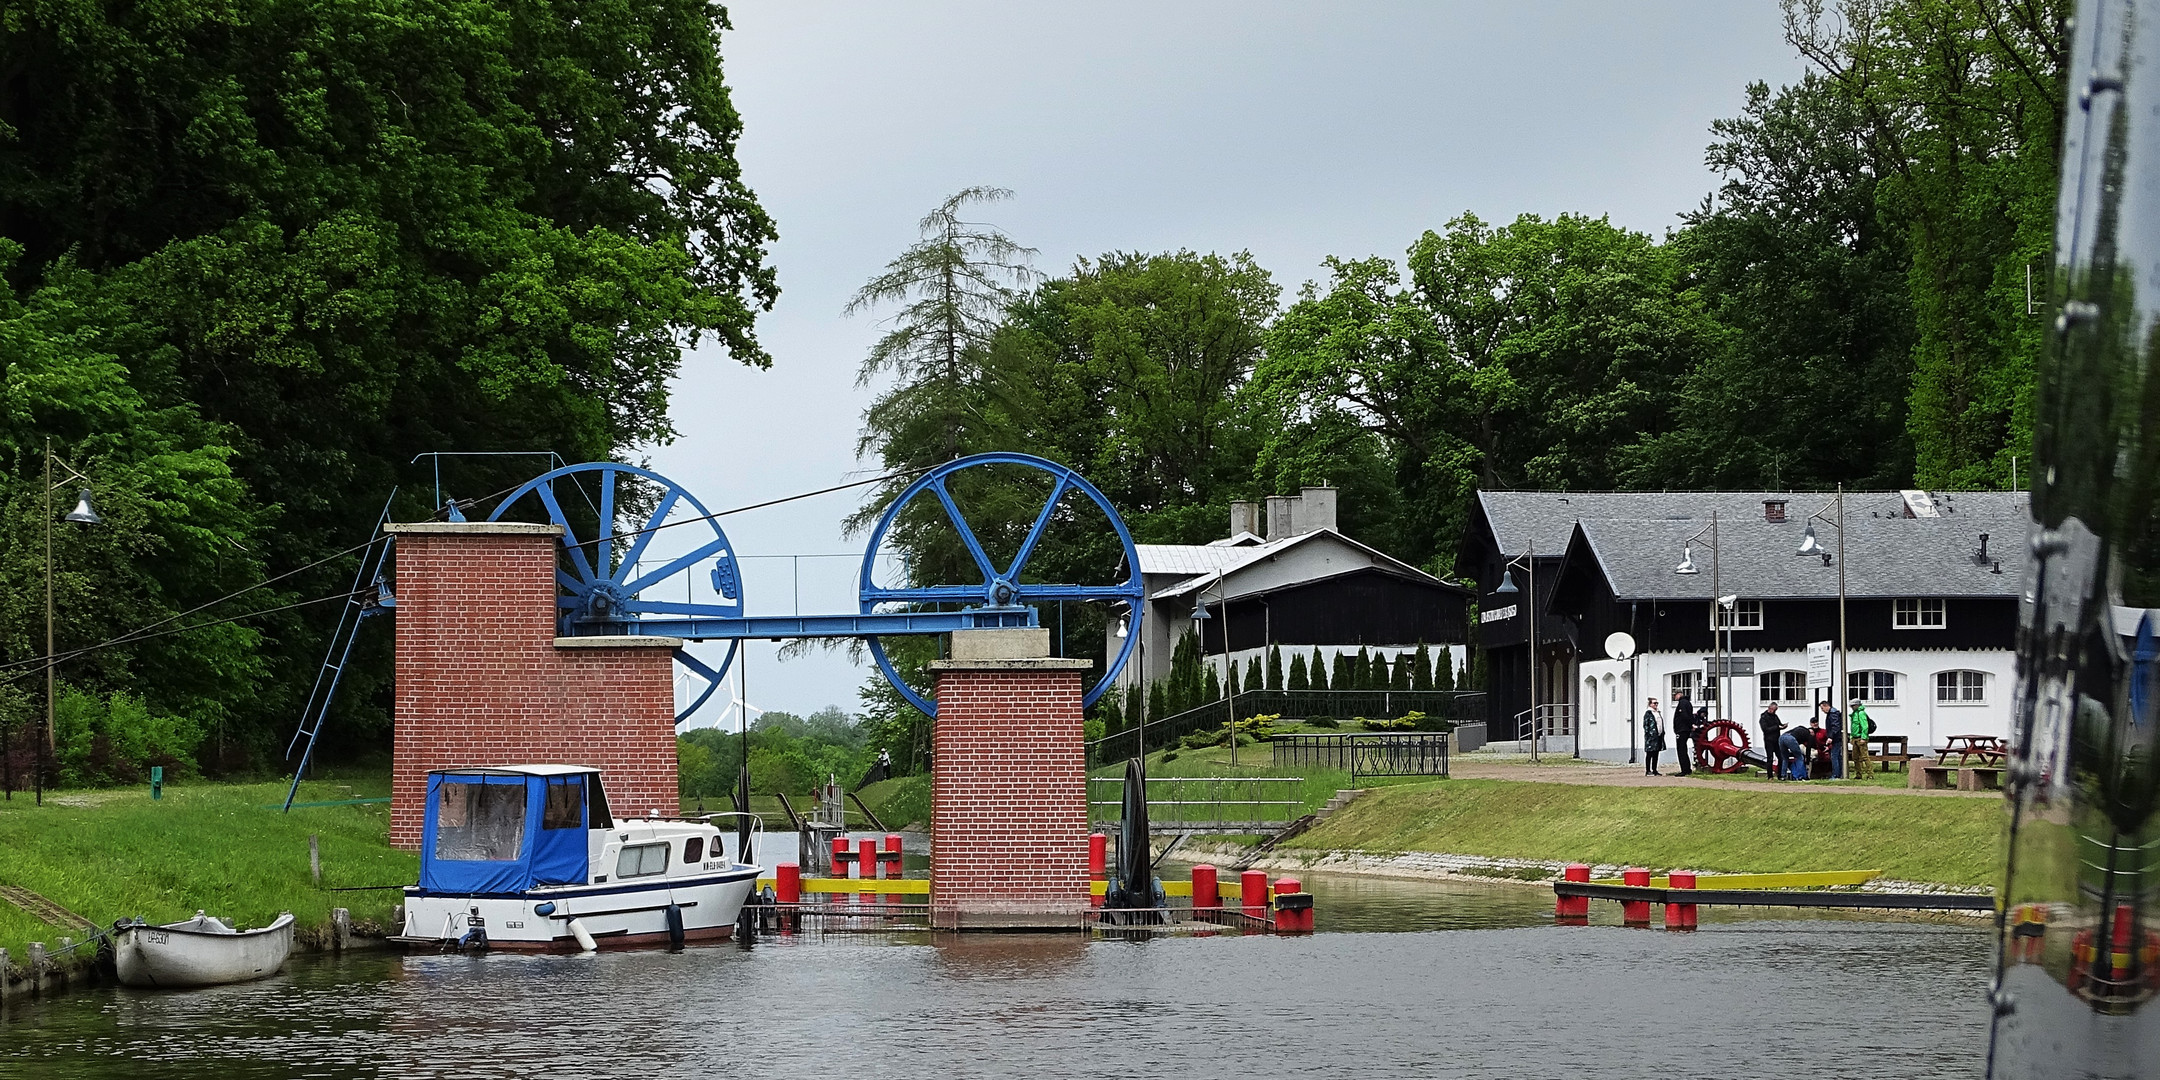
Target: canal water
(1405, 979)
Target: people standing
(1793, 746)
(1860, 725)
(1684, 721)
(1833, 727)
(1653, 739)
(1772, 748)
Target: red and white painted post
(1098, 866)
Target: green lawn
(111, 854)
(1952, 841)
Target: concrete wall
(1607, 712)
(483, 680)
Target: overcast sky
(1293, 131)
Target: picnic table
(1989, 749)
(1878, 748)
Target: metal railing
(1451, 706)
(1204, 804)
(1385, 753)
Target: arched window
(1961, 687)
(1873, 687)
(1783, 687)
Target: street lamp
(1528, 561)
(1810, 546)
(1720, 602)
(1200, 616)
(83, 514)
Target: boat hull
(171, 957)
(615, 915)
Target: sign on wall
(1818, 665)
(1498, 614)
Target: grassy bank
(1951, 841)
(106, 855)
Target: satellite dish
(1619, 646)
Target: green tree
(1421, 668)
(1961, 110)
(1254, 680)
(1343, 676)
(1444, 676)
(1274, 667)
(1400, 679)
(1317, 672)
(1297, 680)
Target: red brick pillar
(1008, 847)
(483, 680)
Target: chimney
(1316, 509)
(1244, 517)
(1773, 510)
(1280, 509)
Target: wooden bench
(1879, 750)
(1962, 777)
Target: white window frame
(1701, 691)
(1966, 687)
(1874, 687)
(1793, 692)
(1746, 615)
(1919, 613)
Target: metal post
(1222, 600)
(1844, 676)
(1717, 615)
(1530, 558)
(45, 510)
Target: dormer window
(1742, 615)
(1919, 613)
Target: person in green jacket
(1859, 725)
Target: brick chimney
(1244, 518)
(1773, 510)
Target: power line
(61, 658)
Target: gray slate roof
(1884, 555)
(1547, 518)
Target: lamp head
(1199, 613)
(1507, 584)
(1687, 562)
(1121, 625)
(1728, 599)
(83, 514)
(1808, 543)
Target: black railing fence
(1449, 706)
(1375, 753)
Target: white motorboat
(528, 857)
(202, 951)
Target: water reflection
(1480, 985)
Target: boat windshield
(480, 822)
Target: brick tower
(1009, 775)
(483, 680)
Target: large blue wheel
(1001, 588)
(605, 584)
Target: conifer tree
(1344, 674)
(1252, 675)
(1157, 700)
(1274, 667)
(1297, 672)
(1421, 671)
(1401, 679)
(1445, 676)
(1318, 672)
(1135, 703)
(1210, 688)
(1231, 686)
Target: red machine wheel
(1721, 746)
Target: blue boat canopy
(510, 828)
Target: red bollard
(843, 858)
(1252, 888)
(2119, 955)
(787, 883)
(1205, 896)
(1635, 912)
(1098, 865)
(1292, 906)
(1680, 916)
(1573, 907)
(866, 867)
(889, 866)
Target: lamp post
(1718, 603)
(1200, 617)
(82, 514)
(1811, 546)
(1528, 560)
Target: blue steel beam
(805, 626)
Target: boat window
(693, 849)
(596, 798)
(565, 805)
(480, 822)
(642, 860)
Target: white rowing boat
(202, 951)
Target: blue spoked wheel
(1001, 588)
(605, 582)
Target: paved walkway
(1468, 767)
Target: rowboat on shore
(202, 951)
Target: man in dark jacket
(1833, 723)
(1683, 730)
(1772, 732)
